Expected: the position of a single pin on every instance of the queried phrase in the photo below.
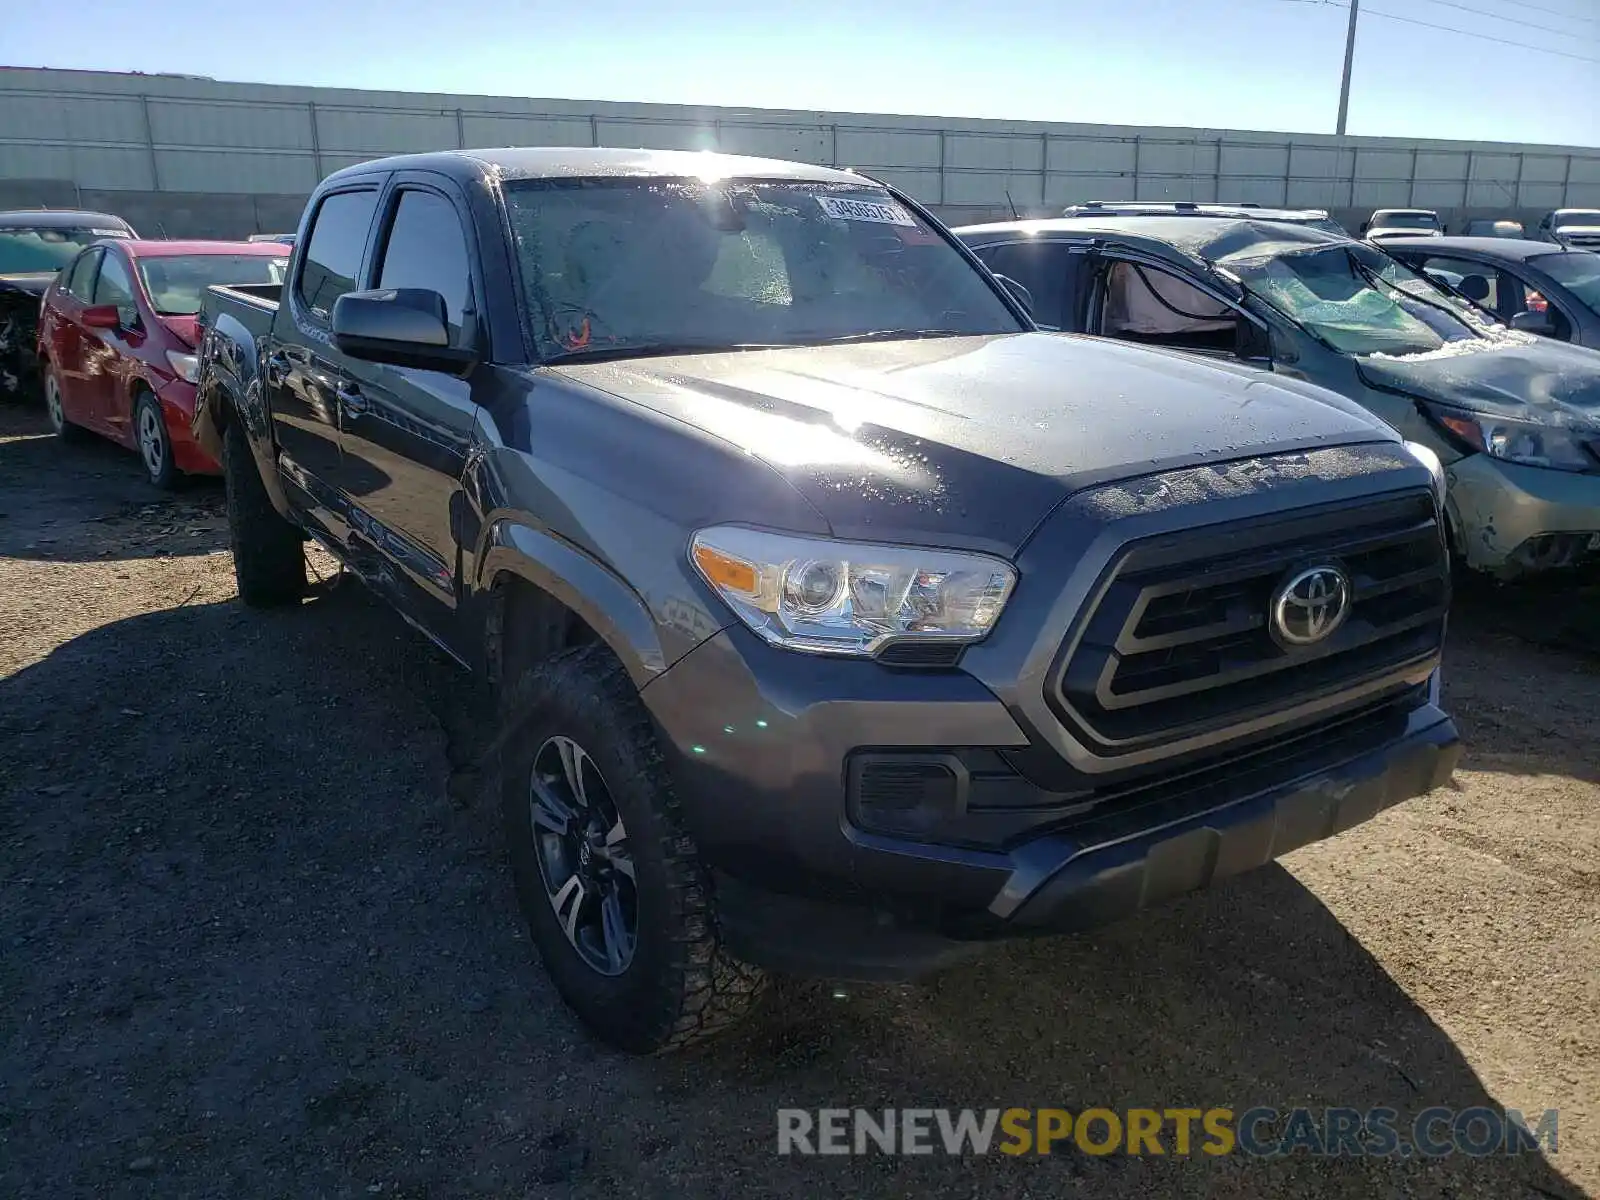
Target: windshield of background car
(1578, 217)
(1578, 273)
(24, 250)
(175, 283)
(1405, 221)
(1360, 301)
(620, 264)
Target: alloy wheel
(152, 446)
(583, 854)
(52, 404)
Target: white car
(1402, 222)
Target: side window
(81, 282)
(333, 254)
(114, 285)
(425, 248)
(1146, 304)
(1475, 281)
(1524, 297)
(1041, 267)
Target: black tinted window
(81, 282)
(333, 255)
(1042, 268)
(426, 249)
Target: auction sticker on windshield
(842, 209)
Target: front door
(108, 357)
(305, 376)
(405, 431)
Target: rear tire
(671, 984)
(153, 442)
(269, 560)
(64, 429)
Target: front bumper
(178, 399)
(816, 876)
(1511, 519)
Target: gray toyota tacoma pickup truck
(840, 620)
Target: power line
(1554, 12)
(1484, 12)
(1480, 36)
(1483, 37)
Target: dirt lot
(256, 938)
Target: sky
(1239, 64)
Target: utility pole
(1349, 57)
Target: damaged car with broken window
(1515, 417)
(34, 245)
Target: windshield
(613, 266)
(24, 250)
(175, 283)
(1578, 216)
(1404, 220)
(1359, 300)
(1578, 273)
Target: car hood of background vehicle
(973, 440)
(1539, 379)
(34, 283)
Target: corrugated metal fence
(207, 153)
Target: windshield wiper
(1380, 284)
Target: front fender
(610, 607)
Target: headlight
(829, 597)
(1524, 442)
(185, 366)
(1430, 460)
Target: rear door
(65, 334)
(405, 431)
(303, 374)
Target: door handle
(351, 400)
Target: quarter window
(333, 253)
(426, 249)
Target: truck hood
(973, 440)
(33, 283)
(1518, 376)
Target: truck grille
(1179, 641)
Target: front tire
(153, 442)
(626, 927)
(269, 560)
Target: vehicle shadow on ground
(260, 941)
(88, 501)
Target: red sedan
(117, 338)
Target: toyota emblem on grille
(1310, 606)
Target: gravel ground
(256, 938)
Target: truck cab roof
(515, 162)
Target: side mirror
(408, 327)
(1534, 322)
(1018, 293)
(102, 316)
